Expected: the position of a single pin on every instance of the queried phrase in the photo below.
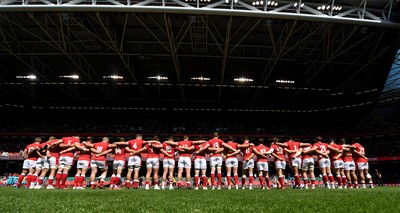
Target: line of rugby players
(54, 159)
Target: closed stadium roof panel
(164, 59)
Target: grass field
(382, 199)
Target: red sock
(313, 181)
(147, 182)
(135, 184)
(20, 179)
(251, 179)
(64, 179)
(117, 181)
(356, 184)
(262, 181)
(331, 178)
(350, 184)
(50, 181)
(81, 180)
(281, 181)
(228, 179)
(267, 181)
(101, 183)
(204, 181)
(243, 180)
(28, 180)
(33, 178)
(213, 179)
(305, 181)
(344, 180)
(297, 178)
(236, 178)
(196, 181)
(40, 181)
(112, 180)
(155, 182)
(325, 178)
(339, 180)
(128, 183)
(58, 178)
(92, 185)
(76, 180)
(219, 175)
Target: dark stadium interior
(329, 63)
(304, 78)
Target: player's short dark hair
(186, 137)
(201, 137)
(318, 138)
(52, 138)
(342, 141)
(215, 134)
(355, 140)
(155, 137)
(121, 139)
(230, 138)
(139, 135)
(89, 138)
(171, 138)
(260, 140)
(245, 138)
(289, 138)
(38, 139)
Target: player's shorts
(248, 164)
(50, 162)
(200, 163)
(231, 162)
(296, 162)
(169, 163)
(82, 164)
(338, 164)
(308, 164)
(215, 162)
(118, 164)
(362, 165)
(262, 166)
(65, 161)
(349, 165)
(39, 163)
(29, 164)
(280, 164)
(184, 162)
(324, 162)
(101, 164)
(153, 163)
(134, 162)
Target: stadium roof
(222, 57)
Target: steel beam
(274, 14)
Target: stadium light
(285, 81)
(200, 78)
(158, 77)
(243, 79)
(26, 76)
(327, 7)
(113, 77)
(69, 76)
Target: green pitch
(381, 199)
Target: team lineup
(53, 160)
